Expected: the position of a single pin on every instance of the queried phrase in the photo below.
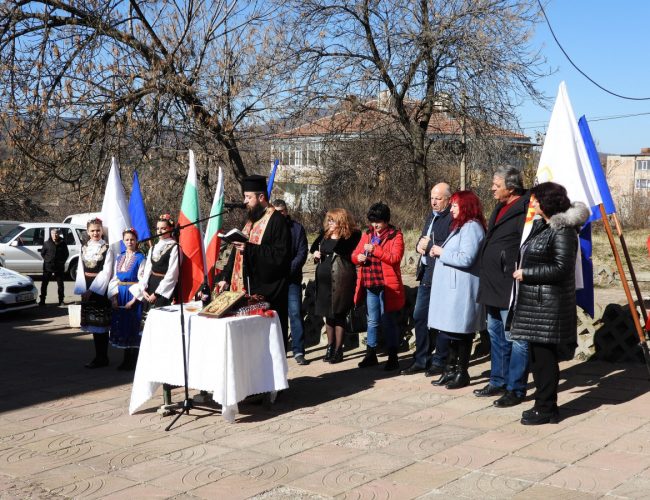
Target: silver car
(20, 248)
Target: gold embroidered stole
(255, 232)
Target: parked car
(16, 291)
(7, 225)
(81, 219)
(20, 248)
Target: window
(32, 237)
(68, 237)
(643, 164)
(642, 184)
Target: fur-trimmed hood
(575, 216)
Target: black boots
(129, 361)
(337, 357)
(455, 374)
(101, 351)
(461, 377)
(370, 359)
(328, 353)
(393, 362)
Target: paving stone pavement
(338, 431)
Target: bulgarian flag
(211, 241)
(190, 237)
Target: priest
(261, 265)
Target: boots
(450, 368)
(101, 351)
(392, 363)
(337, 357)
(129, 361)
(461, 377)
(370, 359)
(328, 353)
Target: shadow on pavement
(42, 359)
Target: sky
(609, 41)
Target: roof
(367, 119)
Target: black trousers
(47, 276)
(546, 375)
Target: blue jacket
(298, 251)
(454, 288)
(441, 224)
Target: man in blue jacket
(435, 231)
(298, 257)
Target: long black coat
(499, 254)
(545, 306)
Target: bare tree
(469, 57)
(81, 81)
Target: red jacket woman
(390, 253)
(379, 279)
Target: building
(628, 177)
(303, 150)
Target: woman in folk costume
(92, 280)
(127, 310)
(156, 287)
(261, 266)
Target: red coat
(390, 252)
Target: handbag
(356, 320)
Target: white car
(16, 291)
(20, 248)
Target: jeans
(509, 357)
(423, 337)
(295, 319)
(376, 317)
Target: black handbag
(356, 320)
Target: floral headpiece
(167, 218)
(130, 230)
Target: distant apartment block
(628, 176)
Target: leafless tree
(471, 58)
(81, 81)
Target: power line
(578, 69)
(535, 125)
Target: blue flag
(272, 177)
(585, 296)
(136, 210)
(599, 175)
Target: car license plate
(24, 297)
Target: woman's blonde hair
(344, 221)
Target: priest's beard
(256, 213)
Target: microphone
(234, 205)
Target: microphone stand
(187, 404)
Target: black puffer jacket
(545, 309)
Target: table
(231, 357)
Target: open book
(233, 236)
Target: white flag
(564, 157)
(115, 209)
(564, 160)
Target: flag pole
(626, 287)
(628, 260)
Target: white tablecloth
(230, 357)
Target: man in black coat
(55, 254)
(298, 258)
(435, 231)
(498, 254)
(261, 265)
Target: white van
(81, 219)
